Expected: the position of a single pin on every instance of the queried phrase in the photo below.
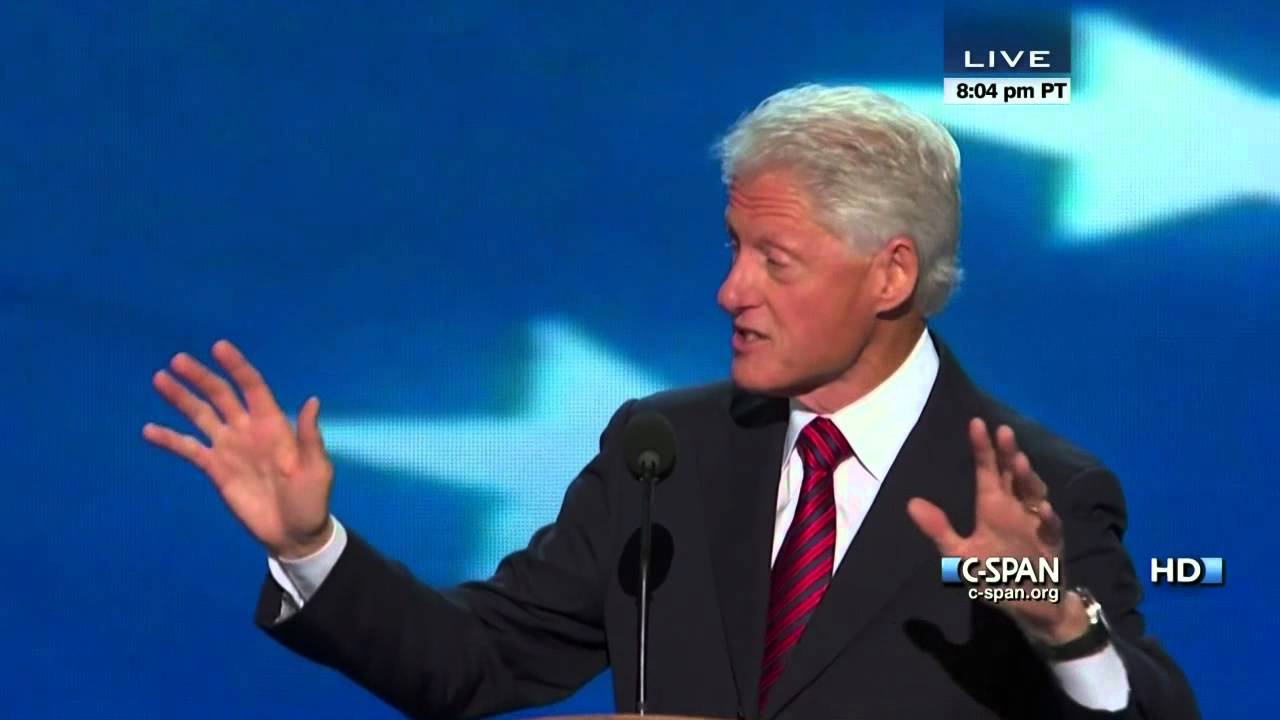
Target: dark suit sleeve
(1093, 513)
(530, 635)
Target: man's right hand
(275, 481)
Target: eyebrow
(768, 240)
(771, 242)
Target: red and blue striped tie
(802, 570)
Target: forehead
(774, 197)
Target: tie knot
(822, 446)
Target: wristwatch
(1095, 638)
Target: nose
(737, 292)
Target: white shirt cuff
(1098, 682)
(301, 577)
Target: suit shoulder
(1055, 458)
(691, 399)
(689, 406)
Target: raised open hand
(275, 481)
(1012, 518)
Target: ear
(898, 269)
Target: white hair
(874, 168)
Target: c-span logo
(1188, 571)
(1012, 57)
(998, 579)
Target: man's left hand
(1013, 518)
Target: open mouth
(744, 338)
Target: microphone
(649, 444)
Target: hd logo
(1187, 571)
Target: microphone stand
(647, 481)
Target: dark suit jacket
(888, 640)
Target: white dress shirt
(875, 426)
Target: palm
(258, 471)
(274, 480)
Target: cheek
(827, 326)
(804, 323)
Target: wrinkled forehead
(775, 196)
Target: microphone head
(649, 443)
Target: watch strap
(1095, 638)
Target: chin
(756, 380)
(761, 379)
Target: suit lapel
(741, 472)
(935, 463)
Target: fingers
(1050, 528)
(199, 412)
(1006, 452)
(934, 524)
(309, 429)
(1002, 465)
(184, 446)
(985, 462)
(1027, 483)
(984, 454)
(211, 385)
(247, 378)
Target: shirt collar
(877, 424)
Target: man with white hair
(814, 493)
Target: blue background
(444, 220)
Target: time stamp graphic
(1006, 91)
